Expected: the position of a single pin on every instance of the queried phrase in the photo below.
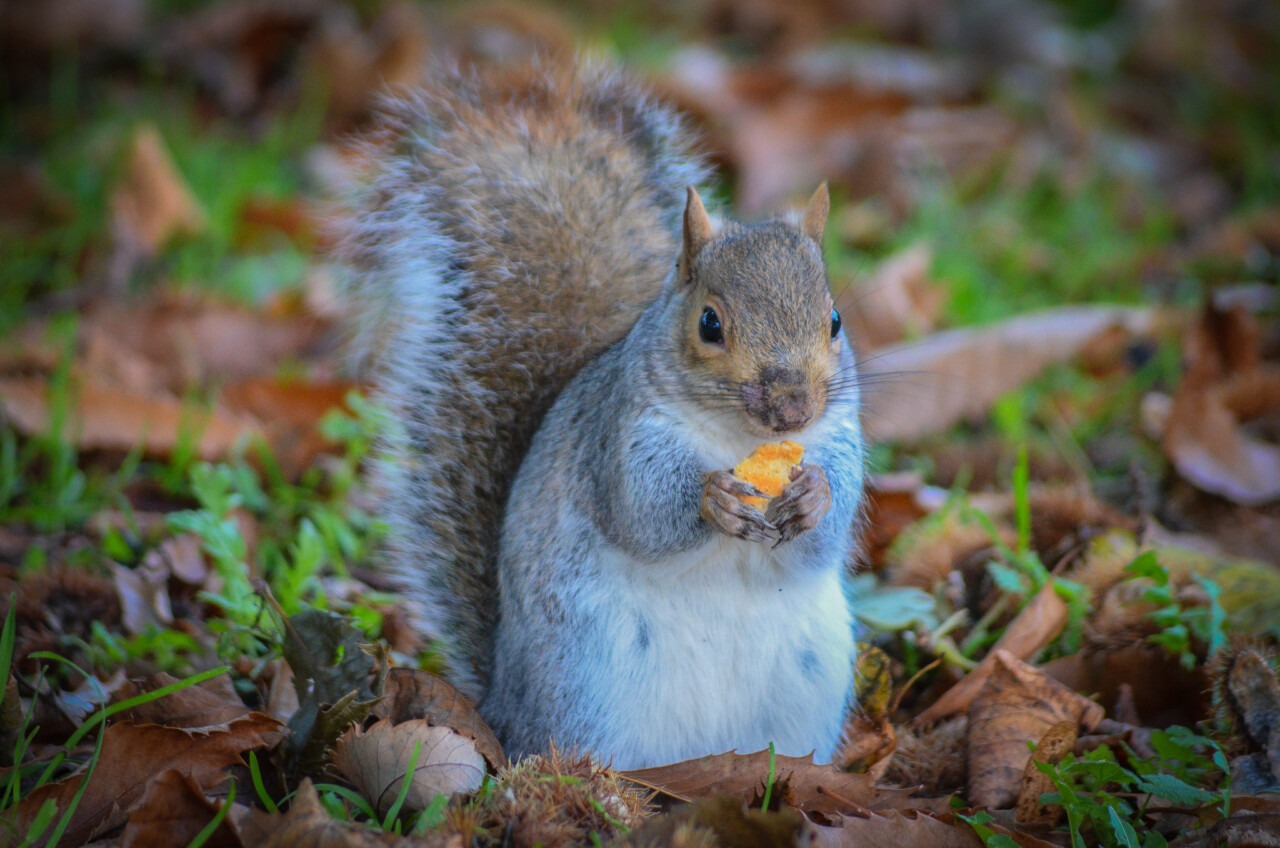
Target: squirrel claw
(802, 504)
(723, 510)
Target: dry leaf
(1018, 703)
(893, 503)
(308, 823)
(956, 375)
(133, 755)
(897, 829)
(742, 775)
(377, 760)
(1164, 691)
(106, 420)
(1038, 624)
(152, 203)
(291, 413)
(896, 301)
(196, 708)
(144, 603)
(1204, 438)
(172, 811)
(358, 65)
(722, 820)
(412, 694)
(1056, 743)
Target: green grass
(79, 143)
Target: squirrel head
(759, 331)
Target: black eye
(709, 329)
(835, 323)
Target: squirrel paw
(722, 509)
(802, 503)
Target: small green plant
(1183, 626)
(1019, 572)
(1097, 793)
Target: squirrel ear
(815, 214)
(697, 231)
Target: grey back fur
(517, 225)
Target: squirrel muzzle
(781, 401)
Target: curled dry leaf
(1056, 743)
(956, 375)
(815, 788)
(1018, 703)
(377, 761)
(1206, 439)
(1038, 624)
(152, 203)
(143, 602)
(412, 694)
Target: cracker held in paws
(768, 468)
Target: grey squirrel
(576, 355)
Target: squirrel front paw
(723, 509)
(802, 503)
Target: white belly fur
(749, 651)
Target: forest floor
(1055, 239)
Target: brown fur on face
(775, 363)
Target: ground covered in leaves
(1055, 241)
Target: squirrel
(575, 354)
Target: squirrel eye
(835, 323)
(709, 329)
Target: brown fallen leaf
(308, 823)
(1038, 624)
(1056, 743)
(152, 203)
(414, 694)
(196, 708)
(357, 65)
(956, 375)
(897, 829)
(721, 820)
(291, 412)
(896, 301)
(812, 786)
(190, 339)
(144, 602)
(172, 811)
(1164, 691)
(106, 420)
(892, 505)
(1018, 703)
(132, 755)
(377, 760)
(1205, 439)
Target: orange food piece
(768, 468)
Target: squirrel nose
(783, 408)
(794, 409)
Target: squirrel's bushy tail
(517, 225)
